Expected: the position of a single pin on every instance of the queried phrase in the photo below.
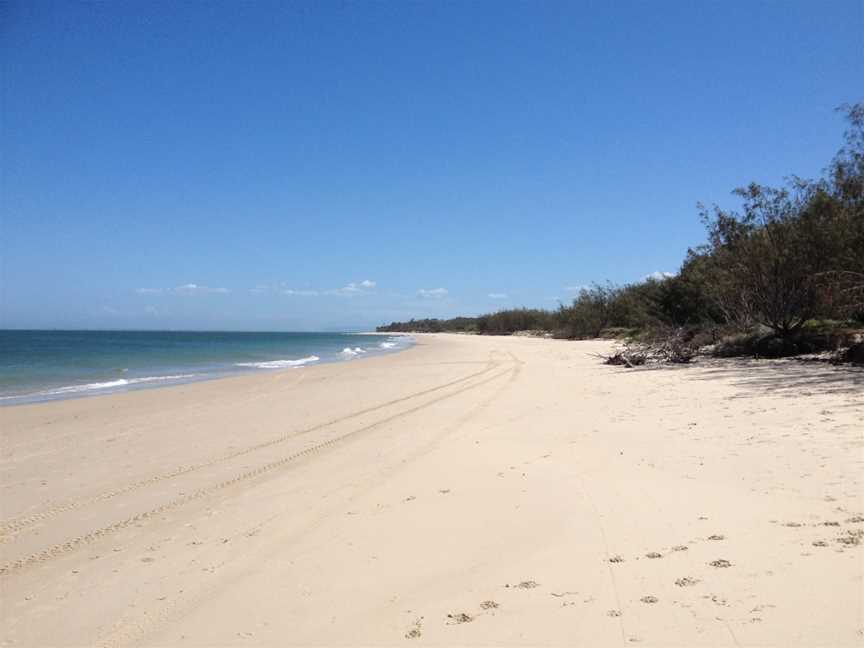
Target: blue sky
(332, 165)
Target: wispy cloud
(109, 310)
(352, 289)
(185, 289)
(196, 289)
(657, 275)
(432, 293)
(575, 288)
(498, 296)
(300, 293)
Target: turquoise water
(49, 365)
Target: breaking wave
(111, 384)
(279, 364)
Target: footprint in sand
(459, 617)
(686, 582)
(616, 559)
(614, 613)
(416, 631)
(488, 605)
(720, 563)
(680, 548)
(717, 537)
(649, 599)
(653, 555)
(852, 538)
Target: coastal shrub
(787, 258)
(507, 322)
(763, 264)
(619, 333)
(594, 309)
(762, 344)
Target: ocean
(49, 365)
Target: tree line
(790, 258)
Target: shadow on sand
(788, 377)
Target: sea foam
(111, 384)
(279, 364)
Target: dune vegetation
(781, 275)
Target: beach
(469, 490)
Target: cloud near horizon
(498, 296)
(185, 289)
(299, 293)
(195, 289)
(432, 293)
(352, 289)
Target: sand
(469, 491)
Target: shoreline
(467, 491)
(180, 375)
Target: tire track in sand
(128, 632)
(13, 526)
(72, 544)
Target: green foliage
(506, 322)
(457, 324)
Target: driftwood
(626, 358)
(674, 348)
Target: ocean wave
(122, 382)
(111, 384)
(279, 364)
(348, 351)
(396, 341)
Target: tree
(589, 313)
(845, 186)
(762, 261)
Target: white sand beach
(471, 491)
